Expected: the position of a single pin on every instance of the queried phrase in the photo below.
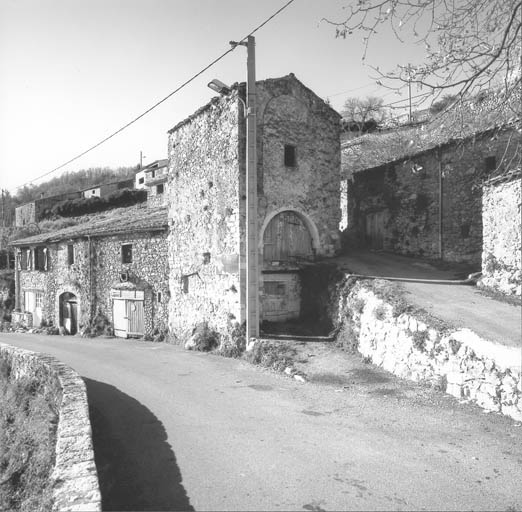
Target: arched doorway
(287, 240)
(69, 312)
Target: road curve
(177, 430)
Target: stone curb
(75, 478)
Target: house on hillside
(418, 191)
(106, 189)
(298, 171)
(114, 266)
(34, 211)
(153, 178)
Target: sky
(74, 71)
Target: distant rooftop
(130, 220)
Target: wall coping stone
(505, 357)
(75, 479)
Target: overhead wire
(183, 85)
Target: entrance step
(294, 337)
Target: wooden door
(287, 239)
(119, 315)
(375, 229)
(135, 315)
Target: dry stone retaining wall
(74, 475)
(502, 215)
(457, 361)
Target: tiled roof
(470, 119)
(131, 220)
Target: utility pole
(252, 252)
(141, 159)
(252, 263)
(410, 117)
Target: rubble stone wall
(96, 269)
(74, 475)
(501, 251)
(458, 362)
(409, 196)
(291, 114)
(149, 270)
(204, 218)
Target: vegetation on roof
(136, 218)
(83, 205)
(466, 119)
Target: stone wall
(204, 212)
(207, 193)
(291, 114)
(96, 269)
(414, 347)
(404, 200)
(74, 475)
(501, 249)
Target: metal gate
(128, 317)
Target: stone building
(502, 229)
(34, 211)
(106, 189)
(153, 178)
(114, 266)
(417, 191)
(298, 171)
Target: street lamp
(219, 87)
(252, 263)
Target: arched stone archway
(288, 235)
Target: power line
(184, 84)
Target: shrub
(274, 356)
(203, 338)
(27, 440)
(233, 344)
(419, 340)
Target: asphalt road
(178, 430)
(458, 305)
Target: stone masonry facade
(429, 205)
(97, 269)
(207, 195)
(501, 252)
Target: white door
(33, 302)
(121, 321)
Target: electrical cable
(184, 84)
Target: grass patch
(28, 420)
(271, 355)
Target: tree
(471, 45)
(363, 114)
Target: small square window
(70, 254)
(159, 189)
(290, 155)
(141, 181)
(491, 163)
(126, 253)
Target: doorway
(69, 312)
(128, 317)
